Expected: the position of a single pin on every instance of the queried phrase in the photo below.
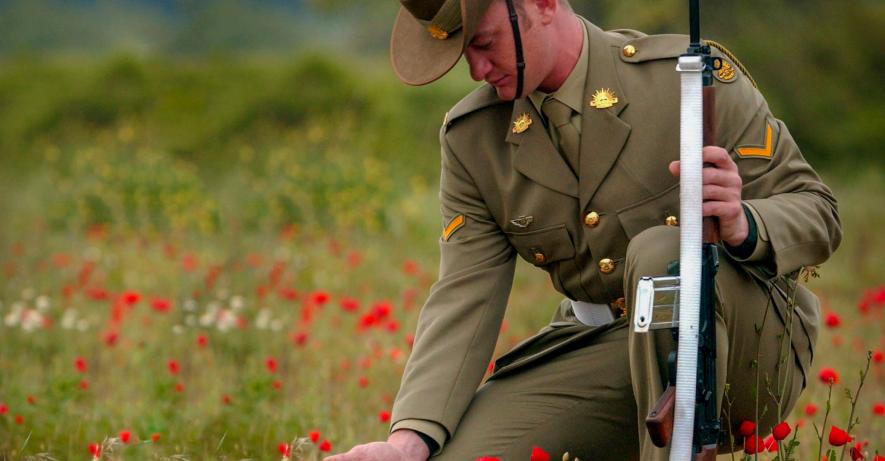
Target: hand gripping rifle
(688, 405)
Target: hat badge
(437, 32)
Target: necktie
(560, 116)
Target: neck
(570, 38)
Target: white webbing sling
(691, 240)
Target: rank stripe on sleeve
(453, 225)
(764, 151)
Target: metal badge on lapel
(522, 123)
(603, 99)
(522, 221)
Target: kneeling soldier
(566, 157)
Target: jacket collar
(603, 133)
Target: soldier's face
(491, 54)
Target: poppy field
(195, 266)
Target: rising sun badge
(603, 99)
(522, 123)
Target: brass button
(620, 305)
(606, 266)
(591, 219)
(629, 51)
(671, 221)
(540, 257)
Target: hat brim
(417, 57)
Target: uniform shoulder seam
(480, 98)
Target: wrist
(410, 444)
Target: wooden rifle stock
(659, 421)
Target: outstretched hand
(722, 194)
(402, 445)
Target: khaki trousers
(590, 397)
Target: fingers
(719, 157)
(715, 193)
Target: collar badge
(522, 123)
(603, 99)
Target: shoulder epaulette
(671, 46)
(477, 99)
(728, 54)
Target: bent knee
(650, 251)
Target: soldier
(567, 157)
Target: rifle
(688, 407)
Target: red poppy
(32, 400)
(179, 387)
(770, 444)
(878, 356)
(125, 435)
(833, 320)
(110, 338)
(225, 399)
(781, 431)
(856, 452)
(392, 326)
(325, 446)
(284, 449)
(155, 437)
(410, 339)
(747, 428)
(290, 294)
(354, 258)
(349, 304)
(488, 458)
(829, 376)
(539, 454)
(319, 297)
(271, 364)
(384, 416)
(95, 450)
(172, 366)
(84, 384)
(3, 409)
(202, 341)
(130, 297)
(810, 409)
(19, 419)
(300, 338)
(80, 364)
(363, 382)
(410, 267)
(161, 304)
(97, 294)
(753, 445)
(839, 437)
(879, 408)
(277, 384)
(381, 309)
(314, 436)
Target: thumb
(674, 168)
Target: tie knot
(556, 111)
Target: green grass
(162, 187)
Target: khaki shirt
(506, 193)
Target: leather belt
(594, 315)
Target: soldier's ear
(544, 10)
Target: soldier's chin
(506, 92)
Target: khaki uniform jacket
(505, 193)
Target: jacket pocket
(545, 246)
(650, 212)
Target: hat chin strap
(517, 41)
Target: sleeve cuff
(433, 430)
(758, 246)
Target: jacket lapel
(603, 133)
(535, 155)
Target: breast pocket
(657, 210)
(543, 247)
